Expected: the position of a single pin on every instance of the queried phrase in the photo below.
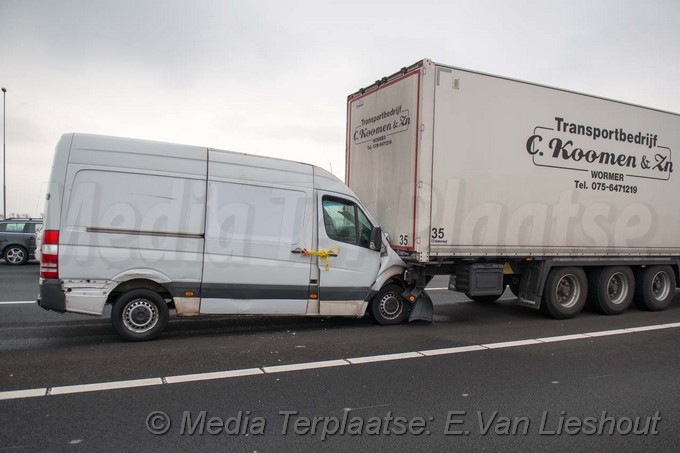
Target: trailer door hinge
(422, 127)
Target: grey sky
(271, 77)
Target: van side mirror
(376, 239)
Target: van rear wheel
(140, 315)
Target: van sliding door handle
(297, 250)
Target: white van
(143, 225)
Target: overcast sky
(272, 77)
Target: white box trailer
(497, 181)
(144, 225)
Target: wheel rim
(661, 285)
(391, 306)
(617, 288)
(15, 255)
(140, 316)
(568, 291)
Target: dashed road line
(168, 380)
(385, 358)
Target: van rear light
(49, 254)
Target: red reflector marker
(49, 254)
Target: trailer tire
(565, 292)
(611, 289)
(388, 306)
(140, 315)
(654, 287)
(484, 299)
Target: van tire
(388, 306)
(565, 292)
(654, 287)
(15, 255)
(140, 315)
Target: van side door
(345, 231)
(255, 216)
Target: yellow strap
(323, 254)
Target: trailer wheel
(388, 307)
(140, 315)
(565, 292)
(484, 299)
(654, 287)
(611, 289)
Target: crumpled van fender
(385, 276)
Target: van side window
(345, 222)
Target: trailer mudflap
(421, 309)
(531, 285)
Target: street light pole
(4, 175)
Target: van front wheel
(388, 307)
(140, 315)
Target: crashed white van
(145, 225)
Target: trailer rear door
(382, 153)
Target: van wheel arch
(394, 281)
(130, 285)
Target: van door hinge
(422, 127)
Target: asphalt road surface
(481, 377)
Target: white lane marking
(212, 376)
(604, 333)
(446, 351)
(304, 366)
(17, 302)
(577, 336)
(655, 327)
(510, 344)
(30, 393)
(104, 386)
(384, 358)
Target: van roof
(93, 142)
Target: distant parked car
(17, 239)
